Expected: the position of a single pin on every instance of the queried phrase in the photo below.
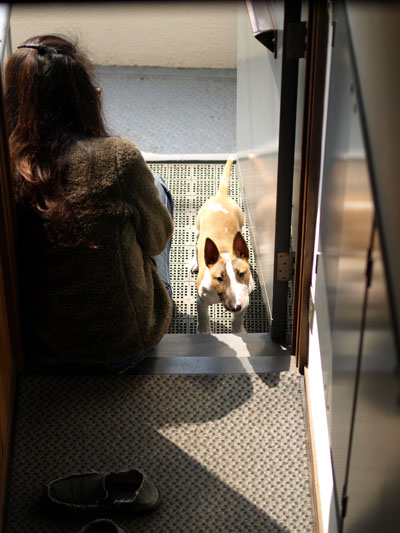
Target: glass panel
(374, 484)
(258, 110)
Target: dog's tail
(226, 178)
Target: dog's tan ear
(211, 253)
(240, 246)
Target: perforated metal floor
(191, 185)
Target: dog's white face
(230, 274)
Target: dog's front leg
(203, 318)
(237, 322)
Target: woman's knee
(165, 193)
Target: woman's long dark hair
(51, 103)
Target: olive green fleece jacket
(104, 303)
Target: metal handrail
(5, 34)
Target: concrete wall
(168, 34)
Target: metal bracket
(268, 39)
(296, 40)
(263, 23)
(285, 266)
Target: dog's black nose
(237, 308)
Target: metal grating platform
(191, 185)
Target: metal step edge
(224, 353)
(219, 345)
(215, 365)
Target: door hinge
(296, 40)
(285, 266)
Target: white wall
(168, 34)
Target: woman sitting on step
(94, 223)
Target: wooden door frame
(311, 156)
(309, 182)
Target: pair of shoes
(103, 525)
(129, 490)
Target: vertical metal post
(287, 135)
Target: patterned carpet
(228, 452)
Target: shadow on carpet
(228, 452)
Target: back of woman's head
(51, 102)
(49, 92)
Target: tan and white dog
(222, 260)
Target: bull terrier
(222, 258)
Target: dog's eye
(241, 274)
(220, 279)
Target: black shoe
(129, 490)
